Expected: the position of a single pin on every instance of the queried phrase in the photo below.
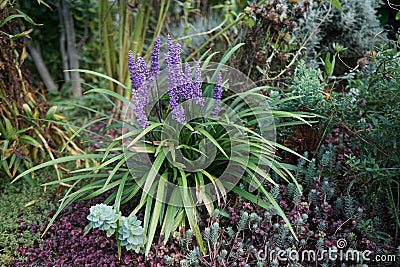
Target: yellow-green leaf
(51, 112)
(29, 140)
(27, 109)
(337, 4)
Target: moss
(23, 209)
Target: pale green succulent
(104, 217)
(131, 233)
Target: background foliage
(29, 126)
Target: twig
(391, 5)
(362, 139)
(233, 23)
(340, 226)
(202, 33)
(303, 46)
(347, 66)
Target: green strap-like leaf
(212, 139)
(155, 213)
(143, 133)
(101, 76)
(190, 209)
(29, 140)
(154, 171)
(170, 215)
(58, 161)
(120, 190)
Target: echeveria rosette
(104, 217)
(131, 233)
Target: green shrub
(355, 27)
(371, 112)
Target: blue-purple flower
(189, 86)
(141, 79)
(181, 83)
(197, 92)
(155, 58)
(175, 80)
(131, 68)
(218, 93)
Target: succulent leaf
(131, 233)
(104, 217)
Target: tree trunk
(40, 65)
(71, 48)
(63, 50)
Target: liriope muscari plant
(191, 133)
(196, 150)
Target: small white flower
(354, 91)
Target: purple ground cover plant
(66, 244)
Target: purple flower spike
(169, 43)
(131, 67)
(188, 86)
(142, 72)
(197, 92)
(177, 72)
(155, 58)
(181, 83)
(142, 99)
(218, 93)
(173, 56)
(176, 83)
(179, 115)
(139, 75)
